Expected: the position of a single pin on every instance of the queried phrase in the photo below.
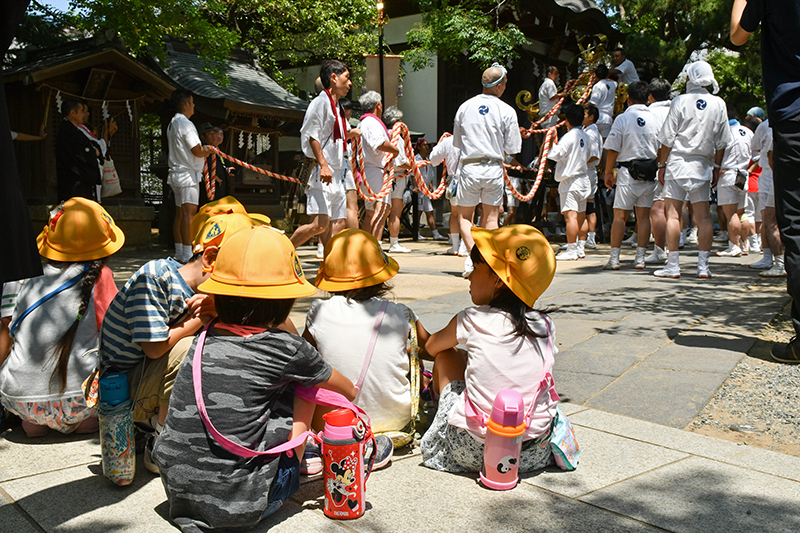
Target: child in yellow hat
(248, 370)
(364, 335)
(509, 346)
(56, 321)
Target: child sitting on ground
(364, 335)
(56, 321)
(249, 372)
(509, 346)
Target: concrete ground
(639, 357)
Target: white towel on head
(699, 74)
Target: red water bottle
(343, 441)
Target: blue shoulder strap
(47, 296)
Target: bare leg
(352, 209)
(673, 213)
(658, 223)
(465, 215)
(431, 220)
(573, 224)
(705, 229)
(340, 224)
(618, 227)
(490, 217)
(188, 211)
(643, 218)
(770, 223)
(317, 225)
(734, 224)
(394, 217)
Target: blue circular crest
(640, 121)
(581, 143)
(701, 104)
(483, 110)
(742, 133)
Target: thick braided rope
(254, 168)
(211, 183)
(548, 143)
(527, 132)
(401, 130)
(358, 166)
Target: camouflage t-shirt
(248, 388)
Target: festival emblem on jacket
(342, 484)
(701, 104)
(483, 110)
(640, 121)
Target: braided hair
(64, 345)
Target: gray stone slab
(674, 356)
(21, 456)
(292, 517)
(608, 344)
(656, 324)
(81, 499)
(668, 397)
(570, 332)
(758, 459)
(12, 520)
(570, 408)
(605, 459)
(608, 364)
(577, 387)
(701, 495)
(407, 493)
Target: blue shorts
(285, 484)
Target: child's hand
(202, 306)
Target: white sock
(641, 252)
(581, 246)
(673, 260)
(572, 247)
(393, 240)
(178, 250)
(455, 240)
(614, 255)
(779, 262)
(702, 258)
(590, 236)
(731, 245)
(659, 250)
(768, 254)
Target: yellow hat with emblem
(258, 262)
(353, 260)
(79, 230)
(227, 204)
(520, 256)
(218, 228)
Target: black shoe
(787, 353)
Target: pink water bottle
(504, 432)
(343, 441)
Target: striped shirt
(151, 302)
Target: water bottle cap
(113, 388)
(340, 417)
(508, 408)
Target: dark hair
(752, 123)
(620, 50)
(365, 293)
(64, 345)
(551, 69)
(593, 112)
(73, 104)
(257, 312)
(509, 302)
(731, 111)
(638, 92)
(574, 114)
(179, 98)
(346, 104)
(330, 67)
(659, 89)
(601, 71)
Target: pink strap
(371, 346)
(313, 394)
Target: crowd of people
(209, 331)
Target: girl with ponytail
(56, 321)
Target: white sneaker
(754, 243)
(590, 241)
(777, 271)
(581, 252)
(722, 236)
(422, 237)
(320, 251)
(668, 272)
(691, 237)
(398, 248)
(568, 255)
(764, 263)
(638, 262)
(703, 271)
(462, 250)
(731, 251)
(438, 236)
(468, 268)
(658, 256)
(633, 239)
(611, 265)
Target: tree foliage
(450, 28)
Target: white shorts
(751, 210)
(573, 194)
(511, 200)
(634, 193)
(186, 195)
(327, 202)
(658, 193)
(604, 125)
(424, 202)
(729, 195)
(399, 187)
(766, 199)
(697, 190)
(374, 177)
(349, 180)
(480, 183)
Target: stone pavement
(637, 355)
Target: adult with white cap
(693, 141)
(486, 130)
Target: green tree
(450, 28)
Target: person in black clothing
(78, 159)
(780, 64)
(213, 135)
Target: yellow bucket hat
(520, 256)
(218, 228)
(228, 204)
(258, 262)
(79, 230)
(353, 260)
